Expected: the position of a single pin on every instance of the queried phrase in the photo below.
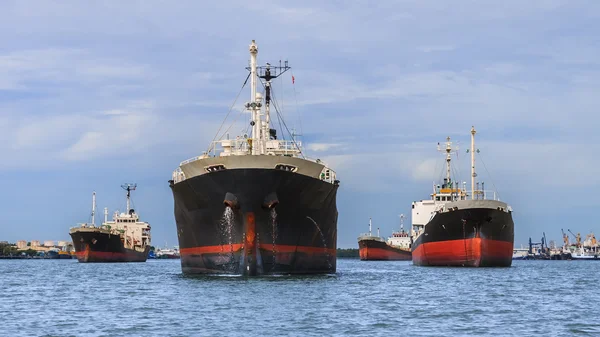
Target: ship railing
(327, 174)
(193, 159)
(366, 234)
(485, 195)
(84, 225)
(234, 147)
(178, 175)
(241, 146)
(231, 147)
(284, 147)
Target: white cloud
(121, 135)
(319, 147)
(430, 49)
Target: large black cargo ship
(254, 205)
(125, 239)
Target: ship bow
(256, 222)
(476, 237)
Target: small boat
(167, 253)
(581, 253)
(520, 253)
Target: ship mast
(261, 129)
(267, 123)
(448, 158)
(448, 151)
(255, 122)
(93, 208)
(105, 214)
(128, 188)
(473, 174)
(369, 226)
(401, 222)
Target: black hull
(477, 237)
(104, 247)
(277, 222)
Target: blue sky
(93, 95)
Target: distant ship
(167, 253)
(397, 246)
(125, 239)
(452, 230)
(586, 250)
(520, 253)
(254, 204)
(55, 253)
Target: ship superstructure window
(214, 168)
(285, 167)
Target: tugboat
(397, 246)
(125, 239)
(451, 230)
(255, 204)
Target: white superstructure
(400, 239)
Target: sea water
(364, 298)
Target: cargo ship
(455, 228)
(125, 239)
(255, 204)
(397, 246)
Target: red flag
(293, 79)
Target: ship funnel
(270, 201)
(231, 201)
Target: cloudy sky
(96, 94)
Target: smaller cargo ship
(451, 229)
(397, 246)
(125, 239)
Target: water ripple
(66, 298)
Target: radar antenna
(401, 222)
(129, 188)
(448, 150)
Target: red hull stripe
(459, 252)
(104, 255)
(211, 249)
(219, 249)
(371, 253)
